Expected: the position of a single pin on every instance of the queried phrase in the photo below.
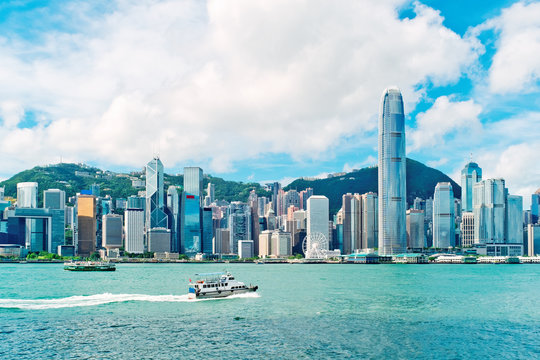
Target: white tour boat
(216, 285)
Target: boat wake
(100, 299)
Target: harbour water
(300, 311)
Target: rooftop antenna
(470, 158)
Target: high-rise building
(443, 216)
(190, 223)
(87, 226)
(210, 190)
(535, 206)
(261, 204)
(207, 230)
(370, 226)
(193, 182)
(317, 216)
(470, 175)
(392, 174)
(533, 239)
(265, 243)
(134, 230)
(514, 219)
(239, 224)
(27, 194)
(467, 229)
(305, 194)
(54, 199)
(173, 204)
(112, 231)
(281, 243)
(136, 202)
(415, 229)
(489, 202)
(245, 249)
(155, 216)
(351, 220)
(159, 240)
(222, 243)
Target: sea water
(300, 311)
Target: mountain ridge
(421, 181)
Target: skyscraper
(467, 229)
(190, 224)
(317, 216)
(535, 206)
(489, 211)
(370, 225)
(193, 182)
(155, 216)
(415, 229)
(443, 216)
(27, 194)
(112, 231)
(54, 199)
(470, 175)
(514, 219)
(86, 219)
(134, 230)
(211, 191)
(239, 224)
(392, 174)
(173, 203)
(351, 220)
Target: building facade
(54, 199)
(415, 229)
(27, 194)
(392, 174)
(317, 216)
(470, 175)
(134, 229)
(155, 216)
(87, 225)
(443, 216)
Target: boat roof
(211, 274)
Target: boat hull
(90, 268)
(221, 293)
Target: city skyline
(194, 110)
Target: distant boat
(89, 266)
(217, 285)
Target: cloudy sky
(262, 90)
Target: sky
(270, 90)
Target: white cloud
(443, 118)
(218, 82)
(515, 66)
(437, 163)
(370, 161)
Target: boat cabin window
(231, 278)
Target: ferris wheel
(315, 246)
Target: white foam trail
(100, 299)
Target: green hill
(63, 176)
(421, 181)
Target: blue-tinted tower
(392, 174)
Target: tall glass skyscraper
(155, 216)
(191, 241)
(392, 174)
(443, 216)
(489, 202)
(193, 181)
(470, 175)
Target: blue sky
(259, 90)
